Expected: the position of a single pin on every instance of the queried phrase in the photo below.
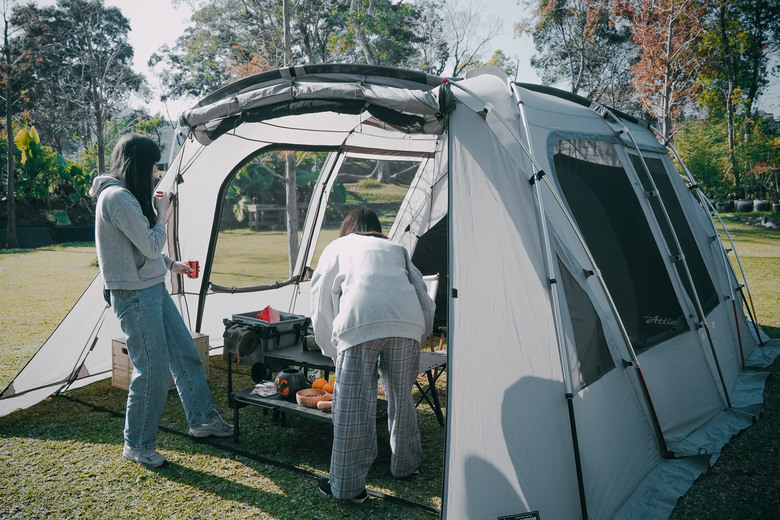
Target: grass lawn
(60, 458)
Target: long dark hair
(363, 221)
(132, 162)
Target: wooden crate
(122, 367)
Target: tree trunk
(291, 174)
(11, 240)
(361, 42)
(730, 109)
(290, 169)
(287, 41)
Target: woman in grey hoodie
(129, 237)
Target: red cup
(195, 266)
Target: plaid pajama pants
(354, 412)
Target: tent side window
(593, 355)
(702, 282)
(605, 207)
(374, 182)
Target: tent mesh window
(605, 207)
(702, 282)
(593, 355)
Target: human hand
(161, 200)
(181, 268)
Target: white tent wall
(86, 338)
(614, 425)
(686, 392)
(499, 365)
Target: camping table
(299, 355)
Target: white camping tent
(598, 353)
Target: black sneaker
(324, 487)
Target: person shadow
(535, 434)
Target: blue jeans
(159, 343)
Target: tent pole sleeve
(577, 459)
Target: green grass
(60, 458)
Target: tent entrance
(253, 247)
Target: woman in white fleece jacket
(370, 309)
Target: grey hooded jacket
(129, 251)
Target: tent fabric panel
(702, 284)
(657, 495)
(90, 322)
(592, 355)
(422, 102)
(604, 205)
(505, 363)
(549, 115)
(726, 344)
(684, 391)
(400, 78)
(617, 444)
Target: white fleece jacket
(128, 250)
(367, 288)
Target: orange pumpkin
(319, 382)
(329, 386)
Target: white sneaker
(144, 456)
(215, 426)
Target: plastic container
(285, 333)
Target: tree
(152, 127)
(704, 148)
(434, 50)
(668, 34)
(468, 34)
(14, 77)
(87, 70)
(578, 45)
(741, 37)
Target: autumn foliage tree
(668, 33)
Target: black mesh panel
(605, 208)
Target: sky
(156, 22)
